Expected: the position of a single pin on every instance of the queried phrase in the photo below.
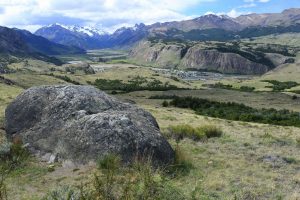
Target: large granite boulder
(81, 124)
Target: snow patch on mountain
(90, 31)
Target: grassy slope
(223, 168)
(7, 94)
(232, 165)
(290, 39)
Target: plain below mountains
(207, 27)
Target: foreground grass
(249, 161)
(236, 164)
(7, 94)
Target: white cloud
(264, 1)
(249, 5)
(107, 13)
(234, 13)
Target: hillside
(232, 58)
(44, 46)
(15, 43)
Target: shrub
(290, 160)
(63, 193)
(165, 104)
(137, 181)
(237, 112)
(65, 78)
(182, 164)
(137, 83)
(109, 162)
(13, 155)
(247, 89)
(180, 132)
(3, 191)
(278, 86)
(211, 131)
(163, 97)
(230, 87)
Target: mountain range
(57, 39)
(207, 27)
(22, 43)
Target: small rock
(46, 157)
(53, 158)
(68, 164)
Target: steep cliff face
(196, 57)
(157, 55)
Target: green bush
(211, 131)
(64, 193)
(180, 132)
(237, 112)
(109, 162)
(278, 86)
(230, 87)
(165, 104)
(12, 156)
(65, 78)
(137, 83)
(247, 89)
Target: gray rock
(53, 158)
(82, 124)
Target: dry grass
(249, 161)
(233, 164)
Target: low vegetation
(114, 182)
(278, 86)
(12, 157)
(137, 83)
(238, 112)
(65, 78)
(230, 87)
(180, 132)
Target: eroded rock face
(196, 57)
(199, 59)
(81, 124)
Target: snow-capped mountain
(90, 31)
(206, 27)
(92, 38)
(83, 37)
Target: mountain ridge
(128, 36)
(22, 43)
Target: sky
(112, 14)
